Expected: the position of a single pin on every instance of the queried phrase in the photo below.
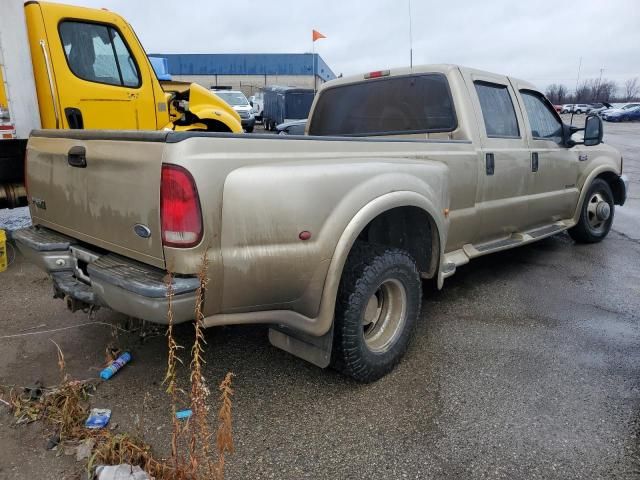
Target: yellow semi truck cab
(92, 72)
(89, 71)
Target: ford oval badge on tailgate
(142, 230)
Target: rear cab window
(388, 106)
(97, 53)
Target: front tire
(596, 214)
(377, 310)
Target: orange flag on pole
(316, 35)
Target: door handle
(77, 157)
(534, 161)
(74, 118)
(490, 163)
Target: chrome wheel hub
(385, 315)
(598, 211)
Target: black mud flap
(316, 350)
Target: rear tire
(377, 310)
(596, 214)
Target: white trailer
(19, 112)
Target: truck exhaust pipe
(13, 195)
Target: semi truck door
(99, 81)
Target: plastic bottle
(116, 365)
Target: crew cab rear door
(97, 69)
(504, 162)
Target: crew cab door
(96, 68)
(501, 198)
(554, 168)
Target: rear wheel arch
(408, 228)
(324, 320)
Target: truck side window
(386, 106)
(98, 54)
(544, 123)
(497, 110)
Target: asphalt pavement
(525, 366)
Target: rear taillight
(180, 213)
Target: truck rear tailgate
(102, 188)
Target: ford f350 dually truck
(63, 66)
(403, 175)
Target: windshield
(631, 105)
(233, 98)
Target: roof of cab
(444, 68)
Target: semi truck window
(130, 77)
(98, 54)
(497, 110)
(388, 106)
(544, 123)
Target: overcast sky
(539, 41)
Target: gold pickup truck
(402, 175)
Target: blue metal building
(248, 71)
(247, 64)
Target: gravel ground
(525, 366)
(14, 219)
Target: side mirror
(251, 102)
(593, 131)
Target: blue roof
(246, 64)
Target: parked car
(296, 127)
(558, 108)
(566, 108)
(326, 240)
(624, 115)
(580, 108)
(284, 104)
(596, 108)
(613, 111)
(237, 100)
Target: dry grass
(224, 438)
(65, 407)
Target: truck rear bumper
(89, 277)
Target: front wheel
(377, 309)
(596, 214)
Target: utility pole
(410, 38)
(576, 100)
(599, 92)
